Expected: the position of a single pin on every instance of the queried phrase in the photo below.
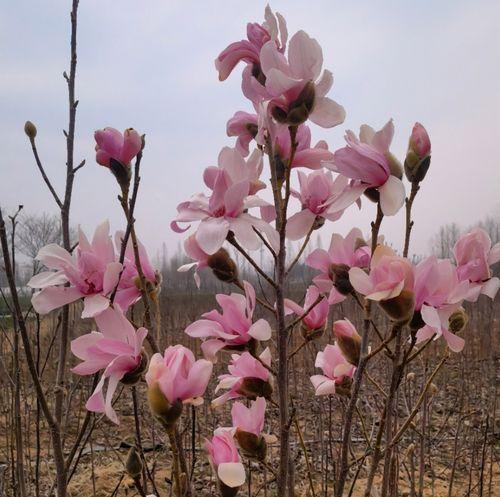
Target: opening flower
(111, 144)
(116, 348)
(369, 161)
(317, 316)
(234, 327)
(335, 370)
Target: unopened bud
(344, 387)
(251, 388)
(418, 157)
(400, 308)
(394, 166)
(348, 340)
(164, 411)
(411, 376)
(223, 267)
(133, 464)
(416, 322)
(457, 321)
(132, 377)
(339, 274)
(252, 446)
(30, 130)
(121, 172)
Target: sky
(150, 65)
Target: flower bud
(411, 376)
(433, 389)
(339, 274)
(164, 411)
(416, 322)
(133, 464)
(418, 157)
(344, 387)
(132, 377)
(394, 166)
(251, 388)
(400, 308)
(457, 321)
(122, 173)
(223, 267)
(348, 340)
(30, 130)
(252, 446)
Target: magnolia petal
(94, 305)
(260, 330)
(231, 474)
(51, 298)
(392, 195)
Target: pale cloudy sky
(149, 65)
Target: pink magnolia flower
(116, 348)
(225, 459)
(234, 327)
(249, 50)
(91, 271)
(321, 197)
(237, 169)
(347, 252)
(224, 211)
(111, 144)
(129, 289)
(369, 161)
(305, 154)
(420, 142)
(335, 369)
(295, 87)
(179, 376)
(245, 127)
(474, 256)
(389, 276)
(195, 252)
(249, 419)
(437, 283)
(437, 324)
(243, 367)
(317, 317)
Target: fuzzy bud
(133, 464)
(223, 267)
(344, 388)
(348, 340)
(251, 388)
(121, 172)
(339, 274)
(457, 321)
(252, 446)
(411, 376)
(164, 411)
(433, 389)
(395, 166)
(418, 157)
(30, 130)
(132, 377)
(400, 308)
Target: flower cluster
(92, 272)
